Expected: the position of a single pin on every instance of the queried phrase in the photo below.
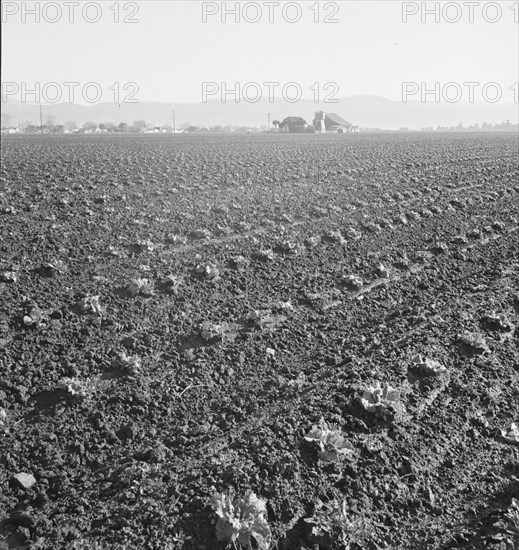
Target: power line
(41, 121)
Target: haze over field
(168, 50)
(364, 111)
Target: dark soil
(236, 359)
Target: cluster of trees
(88, 127)
(484, 127)
(293, 124)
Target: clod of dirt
(263, 319)
(460, 239)
(439, 248)
(512, 434)
(243, 227)
(284, 306)
(139, 286)
(474, 341)
(331, 442)
(222, 231)
(113, 251)
(330, 525)
(333, 237)
(352, 282)
(474, 234)
(143, 246)
(371, 227)
(51, 269)
(498, 226)
(508, 526)
(24, 480)
(289, 247)
(220, 209)
(241, 520)
(412, 215)
(200, 234)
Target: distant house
(332, 123)
(11, 130)
(156, 130)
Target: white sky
(170, 52)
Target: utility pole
(268, 122)
(41, 122)
(174, 123)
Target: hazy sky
(169, 52)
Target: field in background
(177, 313)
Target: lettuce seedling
(383, 401)
(242, 519)
(331, 442)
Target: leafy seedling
(429, 367)
(90, 304)
(241, 520)
(139, 286)
(208, 271)
(130, 364)
(331, 442)
(266, 255)
(499, 322)
(352, 282)
(512, 434)
(33, 316)
(210, 331)
(382, 271)
(239, 263)
(382, 401)
(76, 387)
(171, 283)
(474, 341)
(352, 234)
(8, 277)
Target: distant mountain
(364, 111)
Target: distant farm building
(156, 130)
(332, 123)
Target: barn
(332, 123)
